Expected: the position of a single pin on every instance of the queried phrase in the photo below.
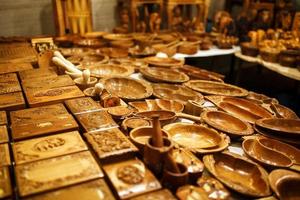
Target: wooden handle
(157, 134)
(86, 76)
(187, 116)
(171, 164)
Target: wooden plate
(48, 147)
(238, 173)
(5, 183)
(108, 70)
(3, 134)
(283, 112)
(159, 74)
(127, 88)
(193, 136)
(9, 83)
(285, 126)
(81, 105)
(264, 155)
(117, 36)
(47, 174)
(176, 93)
(163, 62)
(216, 88)
(227, 123)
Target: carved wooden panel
(3, 134)
(14, 67)
(3, 118)
(56, 172)
(81, 105)
(5, 184)
(9, 83)
(4, 155)
(12, 101)
(36, 73)
(48, 147)
(47, 82)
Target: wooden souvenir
(9, 83)
(5, 183)
(111, 144)
(49, 96)
(81, 105)
(3, 118)
(96, 121)
(47, 82)
(131, 178)
(4, 155)
(159, 74)
(46, 175)
(36, 73)
(158, 195)
(12, 101)
(289, 127)
(14, 67)
(48, 147)
(3, 134)
(107, 70)
(96, 190)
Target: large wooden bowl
(238, 173)
(281, 126)
(107, 70)
(164, 62)
(200, 74)
(87, 60)
(283, 112)
(157, 104)
(127, 88)
(159, 74)
(114, 52)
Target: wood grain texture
(3, 135)
(12, 101)
(5, 183)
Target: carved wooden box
(81, 105)
(14, 67)
(5, 183)
(4, 155)
(131, 178)
(9, 83)
(3, 134)
(56, 172)
(48, 147)
(12, 101)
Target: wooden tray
(110, 144)
(163, 62)
(3, 134)
(14, 67)
(164, 194)
(4, 155)
(9, 83)
(108, 70)
(93, 190)
(159, 74)
(48, 147)
(47, 174)
(96, 121)
(12, 101)
(3, 118)
(5, 183)
(131, 178)
(81, 105)
(47, 82)
(216, 88)
(37, 73)
(49, 96)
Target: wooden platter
(158, 195)
(5, 183)
(131, 178)
(37, 73)
(176, 92)
(110, 144)
(9, 83)
(12, 101)
(108, 70)
(14, 67)
(201, 74)
(227, 123)
(163, 62)
(3, 118)
(238, 173)
(81, 105)
(127, 88)
(94, 190)
(96, 121)
(216, 88)
(47, 174)
(160, 74)
(4, 155)
(48, 147)
(47, 82)
(281, 126)
(3, 134)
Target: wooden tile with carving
(5, 183)
(36, 73)
(49, 96)
(96, 121)
(111, 143)
(12, 101)
(54, 173)
(9, 83)
(14, 67)
(3, 134)
(131, 178)
(4, 155)
(43, 127)
(48, 147)
(93, 190)
(47, 82)
(30, 115)
(81, 105)
(3, 118)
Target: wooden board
(49, 96)
(4, 155)
(111, 143)
(3, 118)
(48, 147)
(14, 67)
(5, 183)
(47, 82)
(96, 121)
(3, 134)
(12, 101)
(36, 73)
(127, 185)
(81, 105)
(56, 172)
(9, 83)
(93, 190)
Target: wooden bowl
(117, 36)
(261, 98)
(83, 86)
(85, 61)
(191, 136)
(94, 34)
(89, 43)
(227, 123)
(238, 173)
(265, 156)
(135, 122)
(169, 105)
(114, 52)
(269, 54)
(283, 112)
(288, 189)
(207, 75)
(163, 62)
(107, 70)
(137, 52)
(157, 104)
(288, 58)
(127, 88)
(74, 51)
(159, 74)
(283, 126)
(119, 111)
(188, 48)
(165, 117)
(121, 44)
(249, 50)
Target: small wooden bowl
(288, 58)
(161, 74)
(269, 55)
(187, 48)
(88, 92)
(114, 52)
(249, 50)
(135, 122)
(108, 70)
(83, 86)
